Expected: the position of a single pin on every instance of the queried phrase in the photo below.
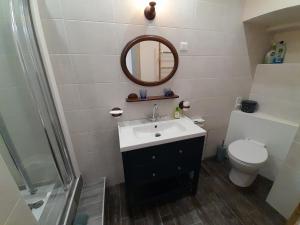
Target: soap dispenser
(177, 113)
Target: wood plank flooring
(218, 202)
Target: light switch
(184, 46)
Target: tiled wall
(13, 209)
(85, 39)
(276, 88)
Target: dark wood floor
(218, 202)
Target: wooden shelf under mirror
(152, 98)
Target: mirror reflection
(150, 61)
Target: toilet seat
(248, 151)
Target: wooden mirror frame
(139, 39)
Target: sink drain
(157, 135)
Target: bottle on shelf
(280, 52)
(269, 58)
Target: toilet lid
(248, 151)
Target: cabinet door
(186, 152)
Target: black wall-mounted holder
(184, 105)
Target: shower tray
(92, 202)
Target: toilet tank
(277, 134)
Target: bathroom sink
(142, 133)
(158, 129)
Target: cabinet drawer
(182, 167)
(187, 150)
(190, 150)
(149, 173)
(151, 155)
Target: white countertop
(171, 130)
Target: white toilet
(246, 157)
(255, 143)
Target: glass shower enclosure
(31, 138)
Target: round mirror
(149, 60)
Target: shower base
(92, 201)
(43, 193)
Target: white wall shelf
(279, 64)
(284, 27)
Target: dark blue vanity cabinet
(163, 172)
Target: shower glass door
(31, 139)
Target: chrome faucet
(155, 114)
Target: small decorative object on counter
(177, 113)
(133, 96)
(221, 152)
(199, 122)
(270, 56)
(185, 105)
(143, 94)
(168, 92)
(249, 106)
(116, 112)
(280, 52)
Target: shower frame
(37, 82)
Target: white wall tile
(174, 14)
(92, 10)
(101, 119)
(204, 87)
(236, 66)
(78, 120)
(130, 12)
(203, 15)
(70, 96)
(203, 42)
(127, 32)
(96, 68)
(88, 95)
(50, 9)
(201, 67)
(55, 36)
(63, 69)
(212, 106)
(108, 95)
(91, 37)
